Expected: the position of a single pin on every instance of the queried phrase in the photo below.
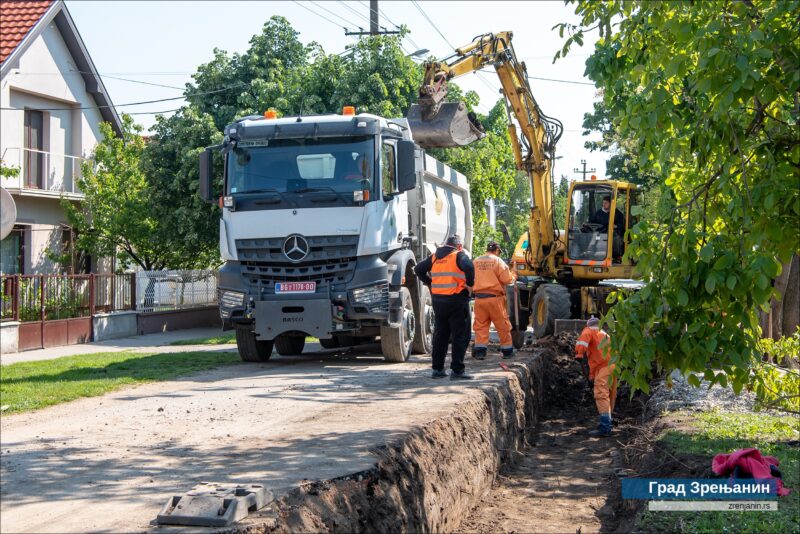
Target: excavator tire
(551, 302)
(251, 349)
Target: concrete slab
(308, 417)
(147, 343)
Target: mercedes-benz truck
(323, 219)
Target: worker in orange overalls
(593, 348)
(492, 275)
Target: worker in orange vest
(593, 348)
(449, 273)
(492, 275)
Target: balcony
(42, 174)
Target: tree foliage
(116, 217)
(710, 92)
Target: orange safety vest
(446, 277)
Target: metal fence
(175, 290)
(51, 297)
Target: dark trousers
(452, 321)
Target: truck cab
(323, 219)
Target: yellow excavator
(564, 275)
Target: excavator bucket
(451, 126)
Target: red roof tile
(16, 20)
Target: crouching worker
(492, 275)
(594, 350)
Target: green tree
(623, 162)
(170, 164)
(117, 215)
(709, 91)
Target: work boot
(460, 376)
(438, 374)
(507, 353)
(479, 353)
(604, 428)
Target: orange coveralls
(595, 344)
(492, 275)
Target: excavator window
(618, 243)
(590, 216)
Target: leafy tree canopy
(709, 91)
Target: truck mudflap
(312, 316)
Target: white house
(52, 102)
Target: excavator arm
(436, 123)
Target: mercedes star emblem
(295, 248)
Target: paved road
(109, 463)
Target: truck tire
(332, 343)
(289, 345)
(423, 337)
(397, 341)
(250, 348)
(551, 302)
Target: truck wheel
(332, 343)
(551, 302)
(251, 349)
(396, 341)
(423, 338)
(289, 345)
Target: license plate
(295, 287)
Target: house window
(73, 260)
(34, 148)
(12, 252)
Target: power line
(131, 103)
(101, 75)
(329, 11)
(317, 14)
(353, 11)
(419, 8)
(390, 21)
(560, 81)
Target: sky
(163, 43)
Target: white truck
(323, 220)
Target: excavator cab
(599, 216)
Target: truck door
(395, 216)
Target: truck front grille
(331, 259)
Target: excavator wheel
(551, 302)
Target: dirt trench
(566, 480)
(517, 458)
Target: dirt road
(109, 463)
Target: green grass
(721, 432)
(222, 339)
(30, 385)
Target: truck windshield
(334, 166)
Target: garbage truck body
(323, 219)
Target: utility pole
(584, 172)
(374, 28)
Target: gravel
(684, 396)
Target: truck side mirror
(406, 166)
(206, 172)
